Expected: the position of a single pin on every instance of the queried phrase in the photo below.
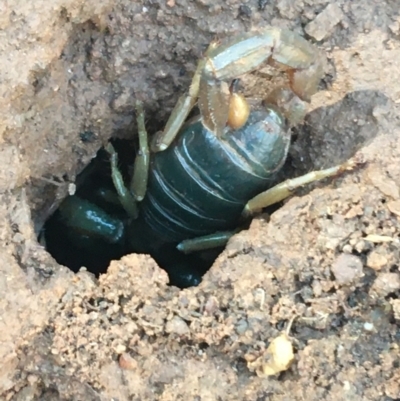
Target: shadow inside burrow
(329, 136)
(71, 246)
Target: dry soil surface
(329, 258)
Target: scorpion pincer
(202, 177)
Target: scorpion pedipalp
(224, 61)
(245, 53)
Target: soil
(327, 261)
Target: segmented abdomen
(201, 183)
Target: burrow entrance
(329, 136)
(72, 247)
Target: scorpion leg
(138, 185)
(142, 161)
(261, 201)
(215, 240)
(286, 188)
(184, 105)
(126, 198)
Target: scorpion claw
(245, 53)
(213, 103)
(226, 60)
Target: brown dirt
(329, 258)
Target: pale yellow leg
(127, 200)
(179, 114)
(286, 188)
(211, 241)
(142, 160)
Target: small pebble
(280, 356)
(177, 326)
(346, 385)
(387, 186)
(368, 326)
(32, 379)
(323, 24)
(211, 306)
(119, 348)
(245, 11)
(360, 246)
(347, 248)
(385, 284)
(127, 362)
(396, 308)
(241, 327)
(317, 288)
(376, 261)
(277, 357)
(347, 268)
(262, 4)
(394, 207)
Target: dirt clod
(277, 358)
(347, 269)
(376, 261)
(385, 284)
(127, 362)
(324, 23)
(394, 207)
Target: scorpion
(198, 179)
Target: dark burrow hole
(72, 247)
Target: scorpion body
(205, 176)
(200, 185)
